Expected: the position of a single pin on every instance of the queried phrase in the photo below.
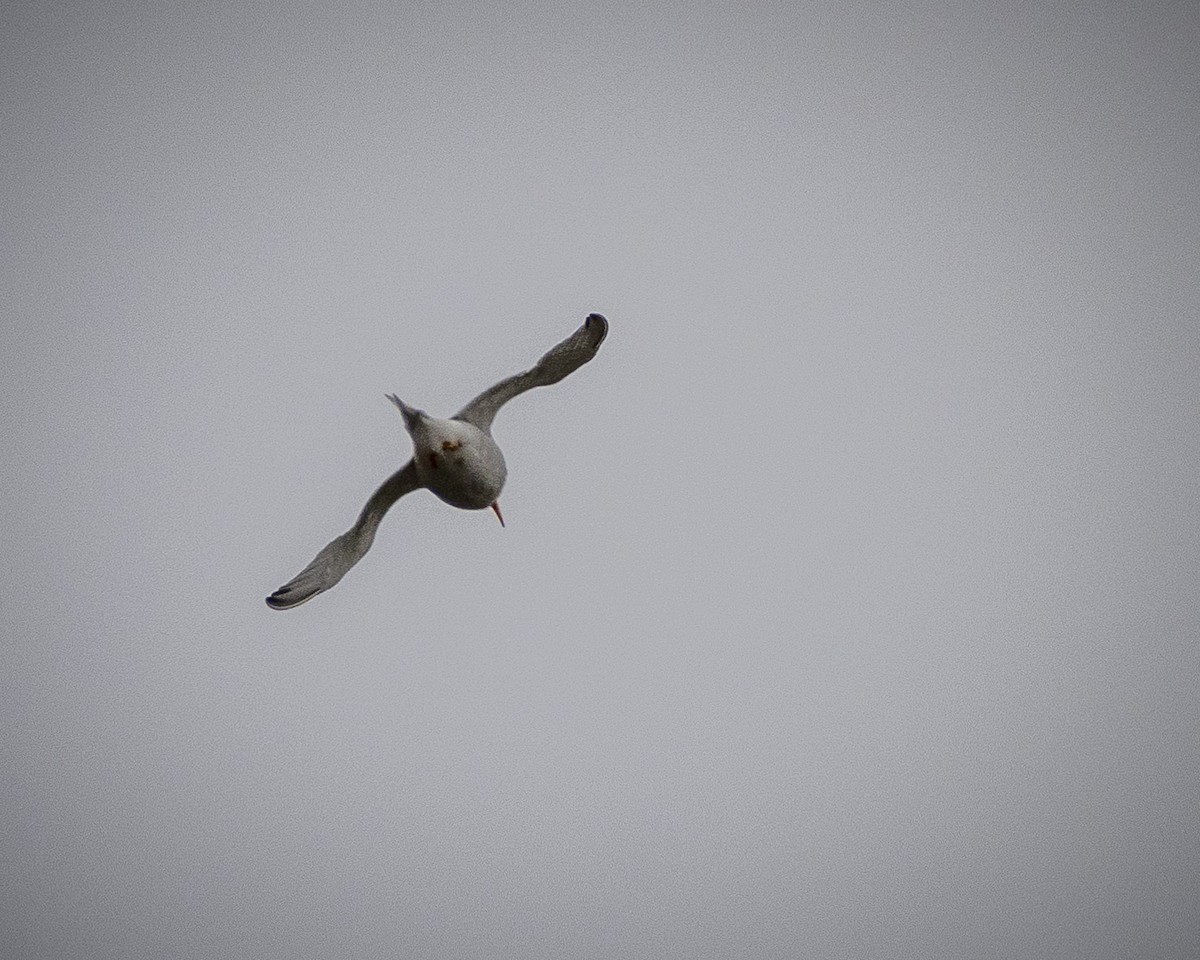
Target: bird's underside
(341, 553)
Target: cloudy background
(848, 601)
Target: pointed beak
(499, 515)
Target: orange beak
(499, 515)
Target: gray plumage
(456, 459)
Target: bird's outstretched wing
(559, 361)
(341, 553)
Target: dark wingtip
(277, 601)
(597, 320)
(287, 597)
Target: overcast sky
(848, 602)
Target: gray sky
(848, 601)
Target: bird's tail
(411, 414)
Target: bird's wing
(341, 553)
(563, 359)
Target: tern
(456, 459)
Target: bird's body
(455, 458)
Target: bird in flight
(456, 459)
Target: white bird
(456, 459)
